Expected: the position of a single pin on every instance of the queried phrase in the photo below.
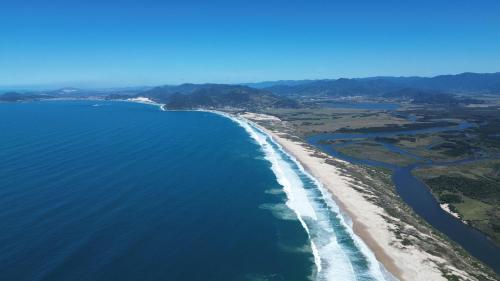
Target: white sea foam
(335, 259)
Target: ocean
(102, 190)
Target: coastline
(446, 208)
(369, 221)
(148, 101)
(375, 269)
(431, 257)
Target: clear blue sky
(120, 43)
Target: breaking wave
(339, 254)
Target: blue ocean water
(122, 191)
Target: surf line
(281, 178)
(333, 258)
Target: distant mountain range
(269, 84)
(17, 97)
(282, 93)
(488, 83)
(216, 96)
(69, 92)
(78, 92)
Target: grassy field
(472, 190)
(310, 121)
(447, 146)
(375, 151)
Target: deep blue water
(125, 191)
(93, 190)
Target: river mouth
(415, 193)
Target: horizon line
(74, 84)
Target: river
(417, 195)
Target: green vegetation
(211, 96)
(310, 121)
(217, 96)
(398, 128)
(380, 189)
(437, 89)
(375, 151)
(472, 190)
(444, 146)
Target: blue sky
(121, 43)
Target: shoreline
(446, 208)
(368, 219)
(143, 100)
(371, 222)
(358, 227)
(375, 266)
(376, 226)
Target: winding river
(416, 194)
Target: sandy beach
(144, 100)
(369, 220)
(446, 208)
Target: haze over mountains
(216, 95)
(283, 93)
(460, 83)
